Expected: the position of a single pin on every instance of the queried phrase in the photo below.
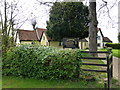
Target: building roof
(106, 39)
(30, 35)
(26, 35)
(99, 29)
(48, 38)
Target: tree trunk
(92, 27)
(4, 30)
(7, 27)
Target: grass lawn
(116, 52)
(17, 82)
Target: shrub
(42, 62)
(113, 45)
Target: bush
(42, 62)
(113, 45)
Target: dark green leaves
(42, 62)
(68, 19)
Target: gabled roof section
(40, 31)
(99, 29)
(106, 39)
(48, 38)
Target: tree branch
(102, 7)
(108, 9)
(45, 3)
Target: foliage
(7, 43)
(68, 19)
(119, 36)
(42, 62)
(113, 45)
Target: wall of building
(55, 44)
(44, 40)
(99, 40)
(30, 42)
(83, 45)
(17, 39)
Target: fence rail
(93, 58)
(109, 64)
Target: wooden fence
(109, 64)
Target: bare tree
(5, 36)
(10, 22)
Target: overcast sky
(108, 21)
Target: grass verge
(17, 82)
(116, 52)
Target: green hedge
(42, 63)
(113, 45)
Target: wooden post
(109, 66)
(111, 61)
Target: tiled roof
(30, 35)
(26, 35)
(106, 39)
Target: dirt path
(102, 55)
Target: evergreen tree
(68, 19)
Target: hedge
(41, 62)
(113, 45)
